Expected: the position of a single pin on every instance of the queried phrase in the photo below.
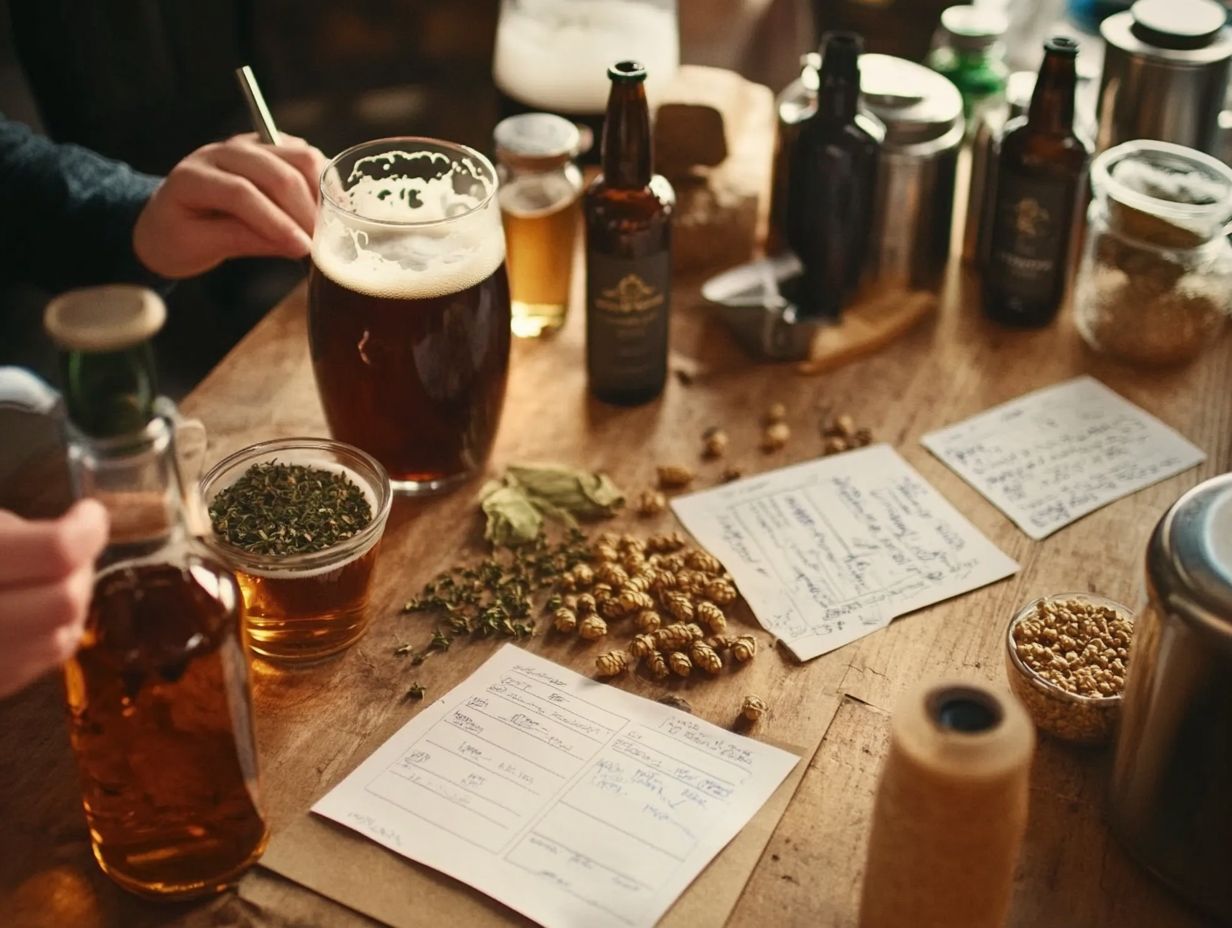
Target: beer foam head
(409, 224)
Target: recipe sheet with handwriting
(569, 800)
(1050, 457)
(831, 550)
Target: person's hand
(46, 580)
(232, 199)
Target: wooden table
(311, 722)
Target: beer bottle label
(627, 304)
(1030, 237)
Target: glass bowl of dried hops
(1066, 657)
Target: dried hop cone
(744, 648)
(564, 619)
(650, 503)
(721, 592)
(680, 664)
(612, 574)
(775, 436)
(704, 561)
(711, 616)
(673, 636)
(648, 621)
(592, 628)
(610, 608)
(679, 605)
(583, 575)
(665, 543)
(714, 442)
(674, 476)
(642, 645)
(721, 642)
(605, 554)
(656, 663)
(661, 579)
(634, 601)
(639, 583)
(585, 604)
(753, 707)
(611, 663)
(705, 657)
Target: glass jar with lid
(540, 201)
(968, 49)
(1155, 282)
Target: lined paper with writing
(571, 801)
(831, 550)
(1050, 457)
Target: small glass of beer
(302, 608)
(540, 201)
(408, 308)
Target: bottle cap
(840, 53)
(1061, 45)
(1178, 24)
(536, 140)
(109, 318)
(973, 28)
(627, 72)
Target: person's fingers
(50, 549)
(206, 188)
(282, 183)
(305, 157)
(223, 236)
(54, 610)
(26, 661)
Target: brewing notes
(571, 801)
(1056, 454)
(828, 551)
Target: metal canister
(1172, 779)
(920, 114)
(924, 126)
(1166, 69)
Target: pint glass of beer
(408, 308)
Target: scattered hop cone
(610, 608)
(665, 543)
(744, 648)
(638, 584)
(721, 592)
(705, 657)
(585, 605)
(721, 642)
(583, 575)
(611, 539)
(605, 554)
(642, 645)
(775, 412)
(675, 476)
(711, 616)
(680, 664)
(714, 443)
(695, 631)
(648, 621)
(671, 637)
(656, 663)
(634, 601)
(662, 580)
(775, 436)
(611, 663)
(564, 619)
(592, 628)
(650, 503)
(753, 708)
(679, 605)
(612, 574)
(704, 561)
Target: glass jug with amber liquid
(158, 692)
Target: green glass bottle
(968, 50)
(107, 363)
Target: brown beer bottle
(158, 691)
(1041, 175)
(628, 210)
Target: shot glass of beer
(540, 201)
(302, 607)
(408, 308)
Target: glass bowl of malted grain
(1066, 657)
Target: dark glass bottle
(158, 692)
(628, 210)
(1041, 176)
(833, 174)
(106, 359)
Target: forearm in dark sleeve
(68, 213)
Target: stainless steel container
(1166, 69)
(1172, 779)
(921, 112)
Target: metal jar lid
(106, 318)
(972, 28)
(1183, 33)
(536, 140)
(921, 110)
(1189, 558)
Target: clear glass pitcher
(552, 55)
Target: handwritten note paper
(571, 801)
(1048, 458)
(828, 551)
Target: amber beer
(160, 724)
(408, 302)
(628, 210)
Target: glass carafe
(158, 693)
(552, 55)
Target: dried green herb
(494, 597)
(282, 509)
(517, 504)
(416, 692)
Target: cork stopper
(108, 318)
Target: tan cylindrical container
(951, 809)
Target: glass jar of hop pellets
(1155, 283)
